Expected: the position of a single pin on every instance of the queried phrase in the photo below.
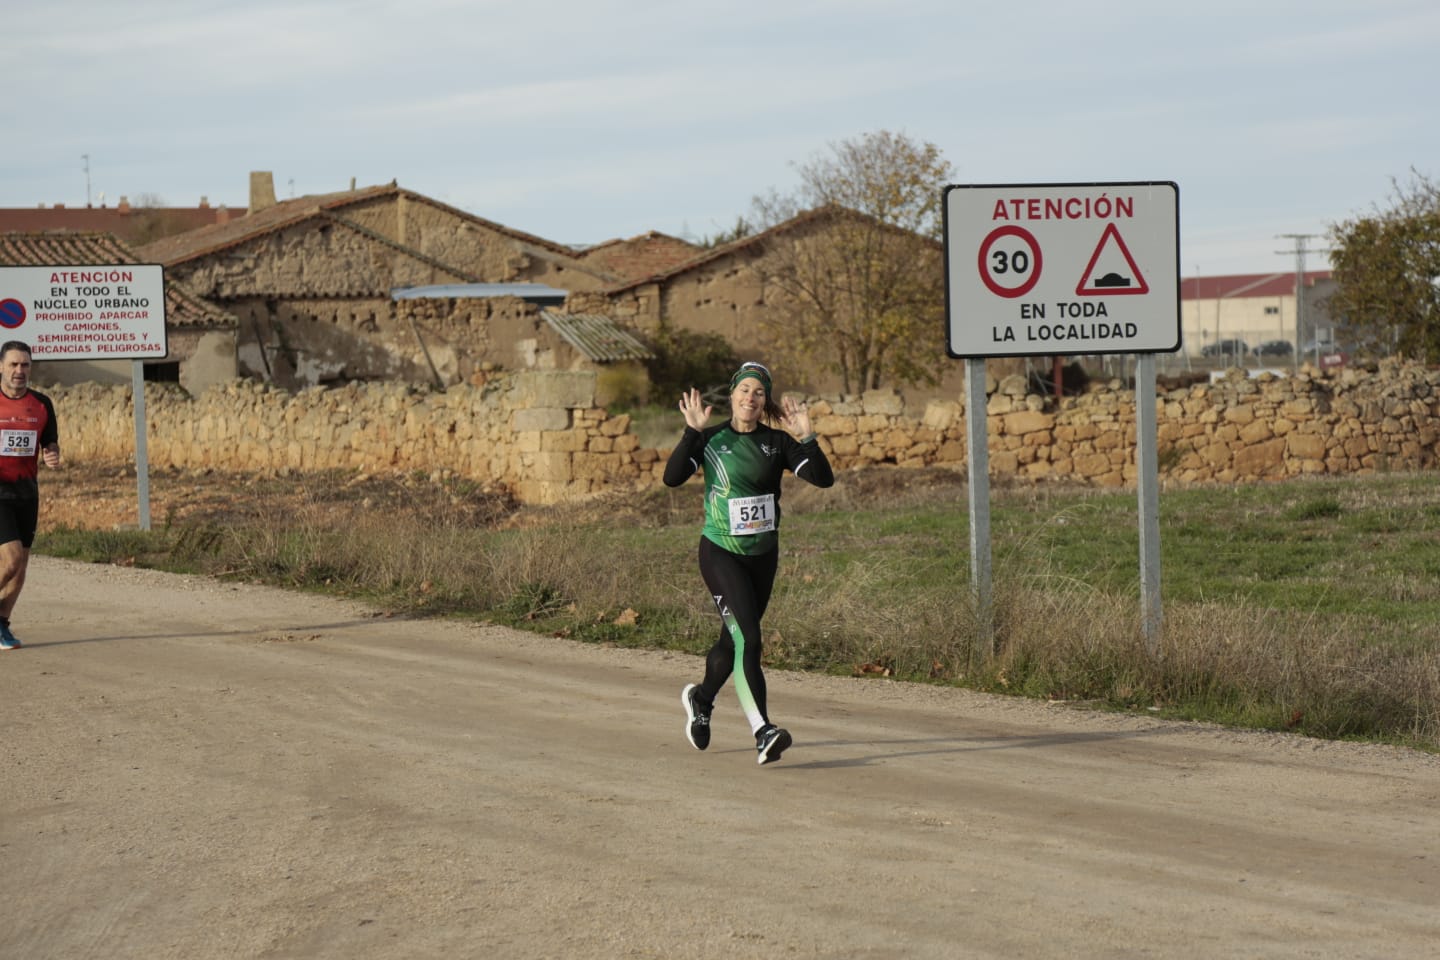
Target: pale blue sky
(583, 121)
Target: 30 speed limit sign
(1010, 261)
(1062, 269)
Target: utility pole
(86, 158)
(1300, 239)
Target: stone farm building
(382, 283)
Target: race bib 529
(17, 443)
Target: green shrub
(685, 359)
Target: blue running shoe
(8, 640)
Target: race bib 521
(751, 515)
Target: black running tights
(741, 587)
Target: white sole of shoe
(690, 715)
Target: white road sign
(1062, 269)
(96, 312)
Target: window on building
(1271, 311)
(162, 372)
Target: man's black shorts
(18, 519)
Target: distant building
(1256, 308)
(133, 225)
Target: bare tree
(853, 263)
(151, 220)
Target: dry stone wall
(541, 435)
(1235, 430)
(538, 434)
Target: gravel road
(195, 769)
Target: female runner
(743, 460)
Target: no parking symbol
(12, 313)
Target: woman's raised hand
(697, 414)
(796, 418)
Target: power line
(1301, 241)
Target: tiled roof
(1241, 285)
(214, 239)
(642, 256)
(182, 308)
(597, 337)
(754, 241)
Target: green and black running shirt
(742, 480)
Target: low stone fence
(1237, 429)
(541, 436)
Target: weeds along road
(192, 769)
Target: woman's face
(747, 402)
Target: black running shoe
(770, 742)
(697, 717)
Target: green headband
(755, 370)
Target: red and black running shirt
(27, 425)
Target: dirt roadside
(194, 769)
(97, 496)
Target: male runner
(28, 434)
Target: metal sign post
(978, 455)
(1063, 269)
(142, 457)
(1148, 492)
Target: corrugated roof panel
(597, 337)
(534, 292)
